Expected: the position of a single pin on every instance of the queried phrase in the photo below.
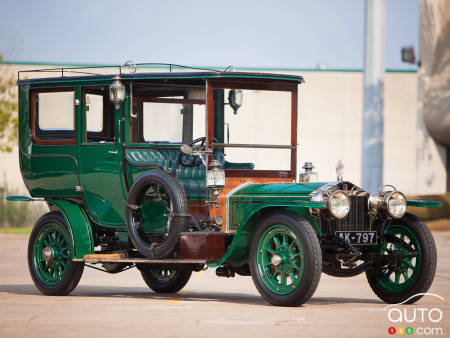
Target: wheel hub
(275, 260)
(48, 254)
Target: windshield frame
(269, 85)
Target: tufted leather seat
(191, 178)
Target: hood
(279, 188)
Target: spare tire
(177, 214)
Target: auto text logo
(422, 320)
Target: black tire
(425, 272)
(301, 231)
(72, 274)
(178, 223)
(166, 280)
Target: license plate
(358, 237)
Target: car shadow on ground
(183, 296)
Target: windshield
(255, 133)
(263, 119)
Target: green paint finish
(154, 211)
(54, 240)
(79, 227)
(280, 259)
(403, 276)
(424, 204)
(280, 189)
(100, 176)
(251, 203)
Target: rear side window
(98, 115)
(53, 116)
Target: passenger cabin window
(53, 119)
(167, 115)
(163, 122)
(99, 116)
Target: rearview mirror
(235, 98)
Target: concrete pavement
(121, 305)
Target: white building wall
(329, 129)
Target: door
(100, 157)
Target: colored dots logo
(400, 330)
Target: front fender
(237, 253)
(79, 226)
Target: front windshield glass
(263, 119)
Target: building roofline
(257, 69)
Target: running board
(120, 258)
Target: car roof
(90, 74)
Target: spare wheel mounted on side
(162, 192)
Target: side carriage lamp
(117, 92)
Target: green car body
(88, 183)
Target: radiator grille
(356, 220)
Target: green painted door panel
(79, 227)
(50, 171)
(100, 168)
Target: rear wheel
(285, 260)
(412, 241)
(166, 280)
(50, 255)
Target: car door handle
(112, 152)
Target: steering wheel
(194, 160)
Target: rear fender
(79, 226)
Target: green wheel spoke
(293, 278)
(285, 241)
(397, 277)
(296, 266)
(53, 236)
(409, 264)
(385, 248)
(270, 249)
(277, 242)
(282, 241)
(405, 275)
(275, 275)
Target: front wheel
(50, 255)
(285, 259)
(165, 280)
(406, 281)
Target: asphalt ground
(121, 305)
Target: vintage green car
(138, 170)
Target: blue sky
(291, 34)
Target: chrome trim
(227, 228)
(243, 145)
(378, 202)
(329, 199)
